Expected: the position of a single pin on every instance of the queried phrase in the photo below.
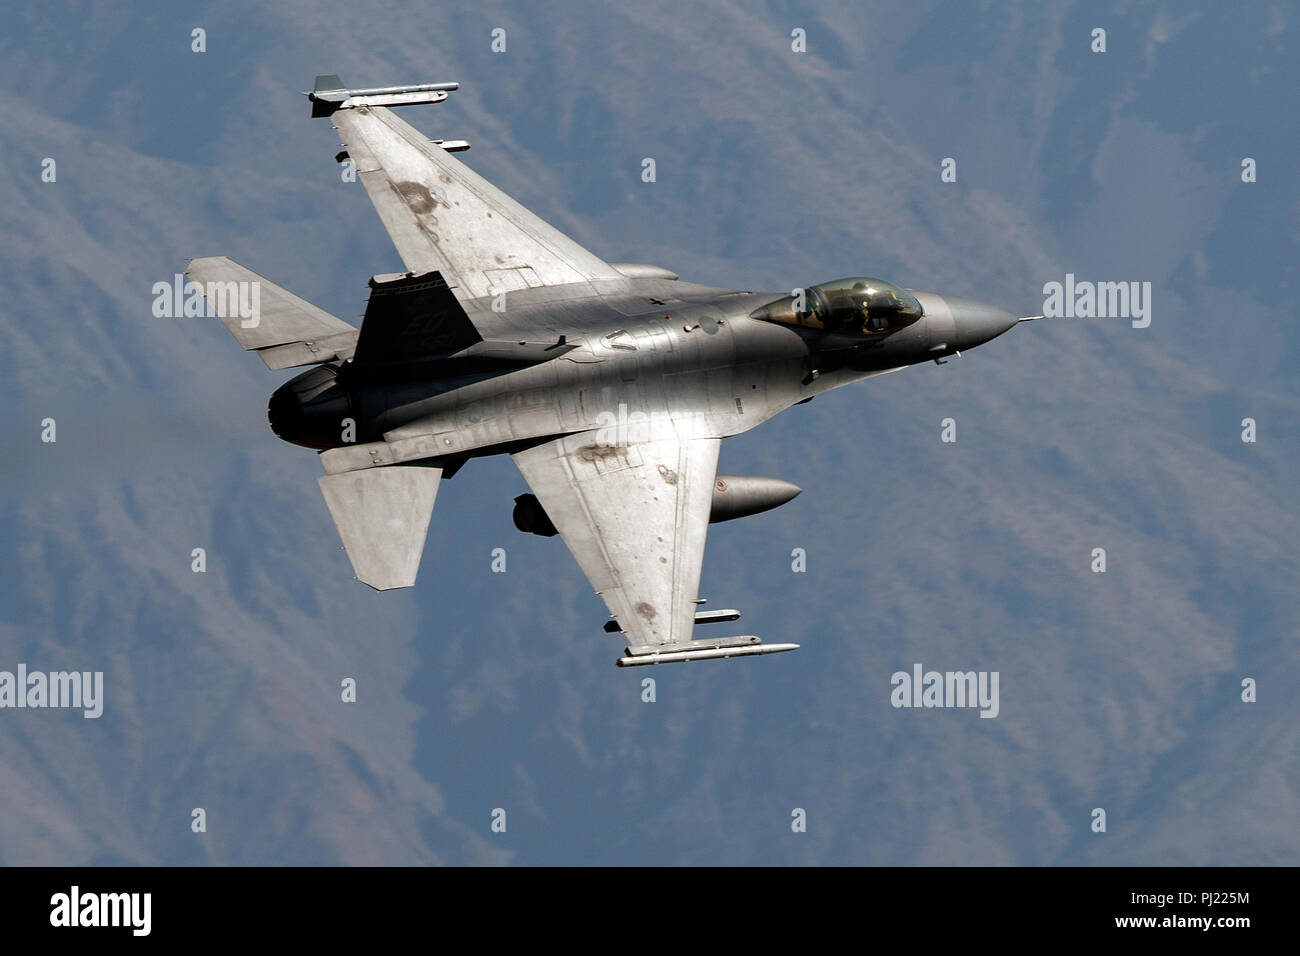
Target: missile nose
(977, 323)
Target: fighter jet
(610, 384)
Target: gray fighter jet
(611, 384)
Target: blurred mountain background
(775, 169)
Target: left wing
(635, 516)
(441, 215)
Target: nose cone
(975, 322)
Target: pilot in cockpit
(857, 306)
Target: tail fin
(282, 328)
(383, 517)
(410, 317)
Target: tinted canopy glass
(854, 306)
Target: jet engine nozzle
(310, 410)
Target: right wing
(635, 516)
(444, 217)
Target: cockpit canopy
(855, 306)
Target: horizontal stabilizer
(383, 517)
(284, 329)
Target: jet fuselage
(621, 358)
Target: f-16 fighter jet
(611, 384)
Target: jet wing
(635, 518)
(444, 217)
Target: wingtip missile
(747, 646)
(329, 95)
